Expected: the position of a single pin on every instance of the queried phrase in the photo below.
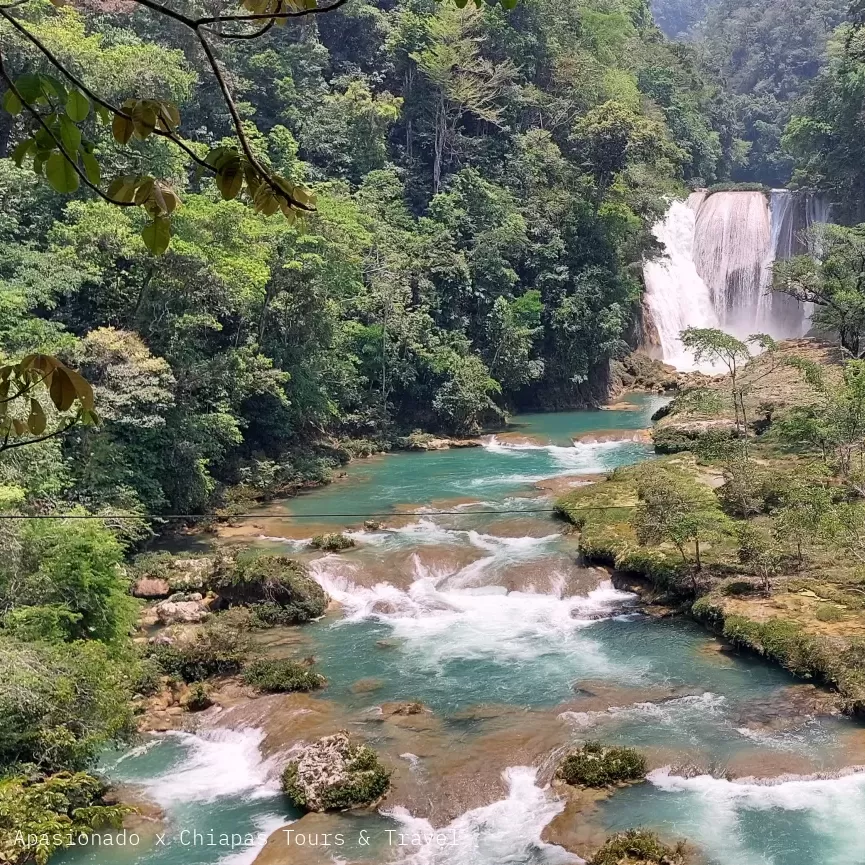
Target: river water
(517, 651)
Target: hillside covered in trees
(485, 183)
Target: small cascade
(717, 269)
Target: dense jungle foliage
(485, 183)
(765, 56)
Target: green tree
(60, 704)
(805, 504)
(833, 279)
(760, 550)
(834, 424)
(674, 508)
(464, 400)
(71, 572)
(718, 347)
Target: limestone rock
(171, 612)
(151, 587)
(334, 774)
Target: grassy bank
(780, 572)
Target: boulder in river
(187, 612)
(334, 774)
(270, 579)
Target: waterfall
(731, 244)
(676, 296)
(717, 266)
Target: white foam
(586, 457)
(830, 807)
(217, 763)
(506, 831)
(293, 543)
(664, 712)
(265, 826)
(445, 623)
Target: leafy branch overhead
(41, 398)
(59, 117)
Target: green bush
(737, 587)
(58, 807)
(334, 542)
(60, 704)
(282, 676)
(198, 698)
(215, 650)
(278, 581)
(829, 613)
(597, 765)
(633, 846)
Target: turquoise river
(476, 605)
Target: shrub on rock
(282, 676)
(335, 542)
(597, 765)
(273, 580)
(216, 649)
(335, 774)
(635, 846)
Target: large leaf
(157, 235)
(77, 106)
(60, 173)
(91, 168)
(21, 150)
(62, 391)
(12, 103)
(36, 421)
(122, 128)
(70, 135)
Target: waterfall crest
(717, 266)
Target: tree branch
(263, 16)
(8, 446)
(73, 162)
(238, 124)
(95, 97)
(255, 34)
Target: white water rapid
(716, 267)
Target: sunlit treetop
(59, 114)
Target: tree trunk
(697, 554)
(441, 129)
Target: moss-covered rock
(636, 845)
(275, 580)
(282, 676)
(335, 774)
(676, 436)
(216, 648)
(333, 542)
(152, 572)
(836, 661)
(597, 765)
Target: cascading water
(716, 271)
(676, 296)
(731, 240)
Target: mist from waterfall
(717, 267)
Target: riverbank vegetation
(755, 529)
